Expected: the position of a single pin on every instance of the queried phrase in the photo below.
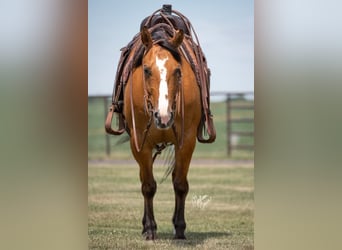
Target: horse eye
(147, 71)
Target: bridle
(177, 107)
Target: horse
(162, 106)
(161, 99)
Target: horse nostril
(156, 115)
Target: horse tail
(168, 159)
(169, 162)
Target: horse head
(162, 74)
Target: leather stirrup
(206, 126)
(108, 124)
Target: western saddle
(169, 20)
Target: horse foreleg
(181, 188)
(148, 189)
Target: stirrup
(108, 124)
(206, 126)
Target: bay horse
(161, 98)
(162, 105)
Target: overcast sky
(225, 30)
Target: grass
(218, 149)
(115, 208)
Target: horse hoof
(150, 235)
(179, 237)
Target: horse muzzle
(163, 122)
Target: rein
(147, 108)
(181, 113)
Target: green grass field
(219, 207)
(218, 149)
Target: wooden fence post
(229, 147)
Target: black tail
(169, 161)
(168, 157)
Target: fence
(242, 101)
(238, 120)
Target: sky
(225, 30)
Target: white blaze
(163, 91)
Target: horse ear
(177, 40)
(146, 37)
